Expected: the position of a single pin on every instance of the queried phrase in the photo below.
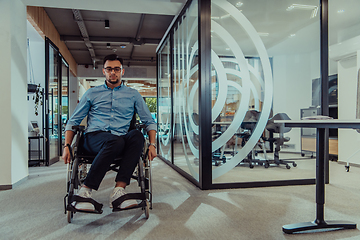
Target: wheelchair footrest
(135, 196)
(75, 198)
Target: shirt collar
(118, 87)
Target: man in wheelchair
(109, 109)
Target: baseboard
(352, 164)
(5, 187)
(9, 187)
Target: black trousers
(107, 147)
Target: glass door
(56, 101)
(64, 116)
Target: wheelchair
(78, 168)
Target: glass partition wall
(344, 77)
(226, 70)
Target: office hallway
(34, 209)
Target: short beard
(117, 81)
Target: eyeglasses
(116, 69)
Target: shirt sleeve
(144, 113)
(80, 112)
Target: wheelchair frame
(77, 170)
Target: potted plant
(38, 98)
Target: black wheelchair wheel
(73, 184)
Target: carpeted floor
(34, 209)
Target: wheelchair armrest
(80, 128)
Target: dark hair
(112, 57)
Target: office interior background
(265, 57)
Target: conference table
(320, 125)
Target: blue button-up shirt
(111, 110)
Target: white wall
(13, 103)
(73, 93)
(37, 56)
(296, 62)
(292, 89)
(349, 140)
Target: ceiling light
(341, 11)
(292, 35)
(227, 49)
(300, 6)
(263, 34)
(135, 84)
(238, 4)
(314, 12)
(225, 16)
(314, 8)
(107, 24)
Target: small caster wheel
(303, 154)
(224, 160)
(147, 210)
(287, 166)
(266, 165)
(260, 163)
(216, 163)
(294, 164)
(251, 166)
(347, 168)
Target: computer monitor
(35, 126)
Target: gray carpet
(34, 209)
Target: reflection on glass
(164, 95)
(344, 76)
(64, 99)
(185, 93)
(260, 64)
(53, 103)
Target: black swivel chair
(218, 155)
(248, 125)
(278, 141)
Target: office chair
(247, 126)
(218, 155)
(278, 141)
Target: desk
(40, 158)
(320, 126)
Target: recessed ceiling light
(221, 17)
(292, 35)
(227, 49)
(341, 11)
(263, 34)
(314, 8)
(225, 16)
(239, 4)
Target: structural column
(13, 93)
